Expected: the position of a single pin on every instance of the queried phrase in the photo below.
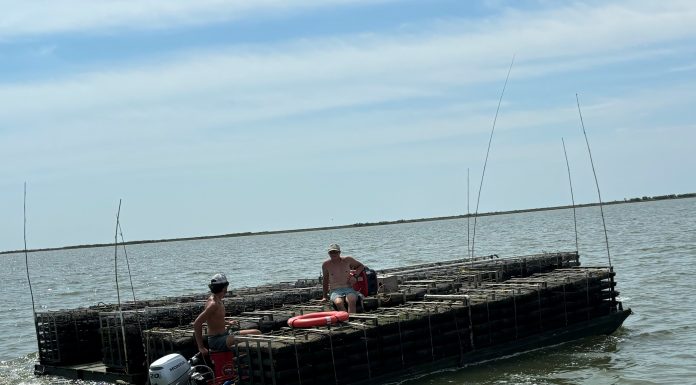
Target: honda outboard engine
(172, 369)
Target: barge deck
(425, 317)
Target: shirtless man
(338, 282)
(219, 338)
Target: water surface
(652, 244)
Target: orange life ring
(323, 318)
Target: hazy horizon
(357, 224)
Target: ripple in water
(653, 248)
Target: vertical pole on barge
(130, 278)
(26, 264)
(599, 194)
(490, 139)
(468, 218)
(572, 197)
(118, 292)
(125, 254)
(601, 209)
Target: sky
(213, 117)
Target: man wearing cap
(219, 338)
(338, 280)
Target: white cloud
(337, 72)
(22, 18)
(154, 111)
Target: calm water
(653, 249)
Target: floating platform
(424, 317)
(93, 371)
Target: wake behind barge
(424, 317)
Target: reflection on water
(653, 246)
(570, 363)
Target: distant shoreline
(382, 223)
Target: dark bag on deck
(367, 282)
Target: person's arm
(324, 281)
(198, 328)
(356, 265)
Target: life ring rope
(323, 318)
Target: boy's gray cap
(334, 247)
(218, 279)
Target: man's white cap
(218, 279)
(334, 247)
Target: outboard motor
(172, 369)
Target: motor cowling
(172, 369)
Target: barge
(423, 318)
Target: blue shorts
(218, 342)
(342, 292)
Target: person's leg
(337, 298)
(230, 338)
(340, 306)
(351, 298)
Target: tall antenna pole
(118, 292)
(599, 194)
(468, 217)
(495, 119)
(125, 253)
(26, 253)
(26, 264)
(130, 277)
(572, 197)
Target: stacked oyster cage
(122, 332)
(153, 332)
(67, 337)
(85, 335)
(422, 314)
(473, 320)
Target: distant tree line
(661, 197)
(363, 224)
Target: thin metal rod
(468, 218)
(118, 292)
(26, 253)
(572, 197)
(130, 278)
(490, 139)
(125, 253)
(297, 358)
(367, 354)
(333, 359)
(26, 264)
(599, 194)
